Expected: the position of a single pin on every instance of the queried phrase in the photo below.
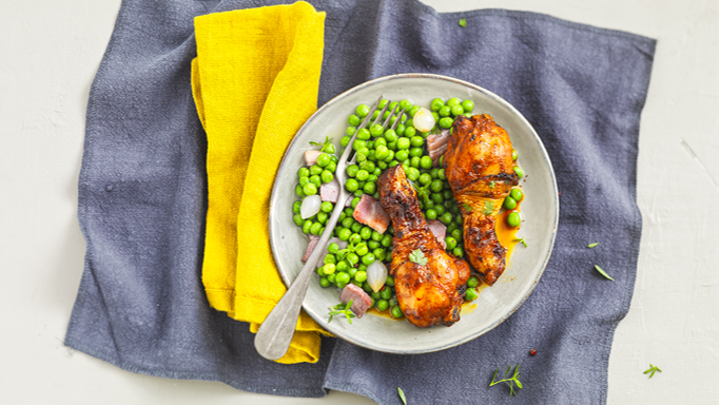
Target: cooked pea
(403, 143)
(386, 293)
(441, 174)
(445, 122)
(380, 254)
(402, 155)
(303, 172)
(315, 228)
(355, 202)
(368, 259)
(362, 110)
(342, 279)
(413, 173)
(514, 155)
(410, 131)
(390, 282)
(323, 159)
(309, 189)
(376, 130)
(473, 282)
(450, 243)
(351, 185)
(453, 101)
(343, 234)
(467, 105)
(436, 185)
(520, 173)
(430, 214)
(471, 294)
(296, 207)
(509, 203)
(396, 312)
(516, 194)
(298, 219)
(322, 217)
(513, 219)
(445, 111)
(342, 265)
(457, 110)
(425, 179)
(437, 198)
(439, 208)
(436, 104)
(458, 251)
(366, 232)
(326, 206)
(326, 176)
(386, 240)
(426, 162)
(457, 233)
(382, 305)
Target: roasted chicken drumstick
(432, 291)
(479, 167)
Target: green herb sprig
(342, 309)
(418, 257)
(510, 380)
(521, 240)
(592, 245)
(326, 146)
(462, 22)
(652, 370)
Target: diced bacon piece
(438, 229)
(437, 145)
(311, 157)
(361, 301)
(330, 191)
(310, 247)
(369, 212)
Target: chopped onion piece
(310, 206)
(376, 275)
(423, 120)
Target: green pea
(514, 155)
(368, 259)
(412, 173)
(467, 105)
(410, 131)
(326, 176)
(406, 105)
(453, 101)
(362, 110)
(450, 243)
(415, 162)
(315, 170)
(303, 172)
(382, 305)
(446, 218)
(441, 174)
(315, 228)
(436, 104)
(437, 198)
(459, 252)
(520, 173)
(351, 271)
(516, 194)
(436, 185)
(445, 122)
(355, 202)
(513, 219)
(402, 154)
(298, 219)
(430, 214)
(390, 158)
(416, 152)
(445, 111)
(425, 179)
(329, 268)
(361, 249)
(351, 185)
(426, 162)
(315, 179)
(306, 226)
(331, 167)
(439, 208)
(361, 276)
(309, 189)
(342, 266)
(417, 141)
(376, 130)
(362, 175)
(333, 248)
(386, 240)
(331, 278)
(366, 233)
(396, 312)
(403, 143)
(473, 282)
(509, 203)
(386, 293)
(353, 120)
(342, 279)
(344, 234)
(296, 207)
(471, 294)
(324, 283)
(323, 159)
(457, 110)
(369, 188)
(356, 227)
(457, 233)
(345, 140)
(379, 254)
(322, 217)
(326, 206)
(373, 177)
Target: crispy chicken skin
(479, 167)
(429, 294)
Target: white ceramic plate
(496, 303)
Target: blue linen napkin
(141, 304)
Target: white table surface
(49, 53)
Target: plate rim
(546, 158)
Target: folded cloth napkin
(143, 201)
(255, 83)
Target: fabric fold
(255, 82)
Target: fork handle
(275, 334)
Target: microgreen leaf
(521, 240)
(510, 381)
(402, 396)
(468, 209)
(492, 184)
(601, 271)
(326, 147)
(418, 257)
(652, 370)
(489, 207)
(342, 309)
(462, 22)
(592, 245)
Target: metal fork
(274, 335)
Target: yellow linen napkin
(255, 82)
